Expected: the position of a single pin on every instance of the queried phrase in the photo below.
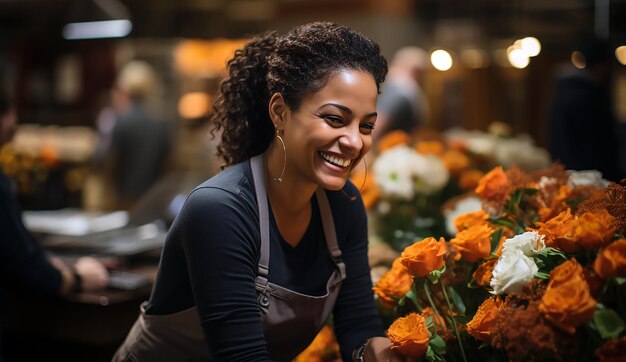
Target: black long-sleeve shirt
(211, 255)
(23, 263)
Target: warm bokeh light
(475, 58)
(201, 58)
(441, 60)
(620, 54)
(517, 57)
(531, 46)
(194, 105)
(578, 59)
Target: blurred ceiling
(559, 23)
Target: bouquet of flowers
(415, 177)
(538, 273)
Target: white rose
(586, 178)
(432, 174)
(513, 271)
(466, 205)
(529, 243)
(393, 172)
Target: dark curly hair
(294, 64)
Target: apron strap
(328, 224)
(258, 175)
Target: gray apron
(290, 319)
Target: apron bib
(290, 319)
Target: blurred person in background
(24, 265)
(140, 144)
(402, 104)
(582, 122)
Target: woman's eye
(333, 120)
(367, 128)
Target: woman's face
(332, 130)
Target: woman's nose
(351, 139)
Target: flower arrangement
(538, 273)
(415, 176)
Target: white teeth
(336, 160)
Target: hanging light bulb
(531, 46)
(620, 54)
(441, 60)
(517, 57)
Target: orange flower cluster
(424, 256)
(567, 301)
(481, 325)
(324, 348)
(611, 261)
(484, 272)
(409, 335)
(571, 233)
(394, 284)
(474, 243)
(495, 187)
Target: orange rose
(424, 256)
(482, 324)
(370, 193)
(430, 148)
(469, 179)
(567, 302)
(394, 284)
(595, 229)
(429, 312)
(611, 261)
(467, 220)
(495, 185)
(392, 139)
(560, 232)
(409, 335)
(455, 161)
(612, 350)
(323, 348)
(484, 272)
(474, 243)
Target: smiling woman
(296, 114)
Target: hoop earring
(364, 177)
(279, 179)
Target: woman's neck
(292, 195)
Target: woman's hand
(379, 349)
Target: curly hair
(295, 64)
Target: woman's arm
(219, 233)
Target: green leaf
(608, 322)
(503, 221)
(542, 275)
(437, 344)
(456, 300)
(530, 191)
(495, 239)
(411, 296)
(620, 281)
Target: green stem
(456, 330)
(416, 301)
(432, 305)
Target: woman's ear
(278, 110)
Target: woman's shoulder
(233, 184)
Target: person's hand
(93, 273)
(379, 349)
